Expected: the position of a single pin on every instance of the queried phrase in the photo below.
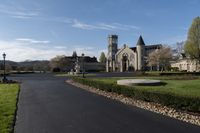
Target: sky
(42, 29)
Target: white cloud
(31, 41)
(23, 13)
(102, 26)
(80, 25)
(19, 51)
(16, 11)
(60, 47)
(103, 50)
(107, 26)
(89, 51)
(126, 27)
(75, 23)
(21, 17)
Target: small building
(186, 64)
(90, 63)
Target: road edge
(150, 106)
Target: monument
(77, 67)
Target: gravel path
(154, 107)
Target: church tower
(140, 53)
(112, 50)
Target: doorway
(125, 63)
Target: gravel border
(154, 107)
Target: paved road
(48, 105)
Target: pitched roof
(133, 48)
(140, 41)
(154, 46)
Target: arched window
(125, 62)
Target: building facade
(127, 58)
(184, 63)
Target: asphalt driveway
(49, 105)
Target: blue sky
(42, 29)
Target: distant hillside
(32, 63)
(26, 65)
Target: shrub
(182, 73)
(164, 98)
(56, 69)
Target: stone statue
(77, 67)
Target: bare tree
(160, 58)
(180, 47)
(41, 66)
(152, 59)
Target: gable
(125, 50)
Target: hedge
(185, 103)
(172, 73)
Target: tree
(8, 67)
(41, 66)
(160, 58)
(192, 46)
(102, 58)
(74, 54)
(152, 59)
(60, 63)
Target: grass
(179, 85)
(179, 92)
(163, 72)
(8, 99)
(69, 75)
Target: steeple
(141, 53)
(140, 41)
(112, 50)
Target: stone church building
(128, 58)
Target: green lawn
(179, 85)
(68, 75)
(8, 99)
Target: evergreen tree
(74, 54)
(102, 58)
(192, 46)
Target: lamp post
(83, 68)
(4, 67)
